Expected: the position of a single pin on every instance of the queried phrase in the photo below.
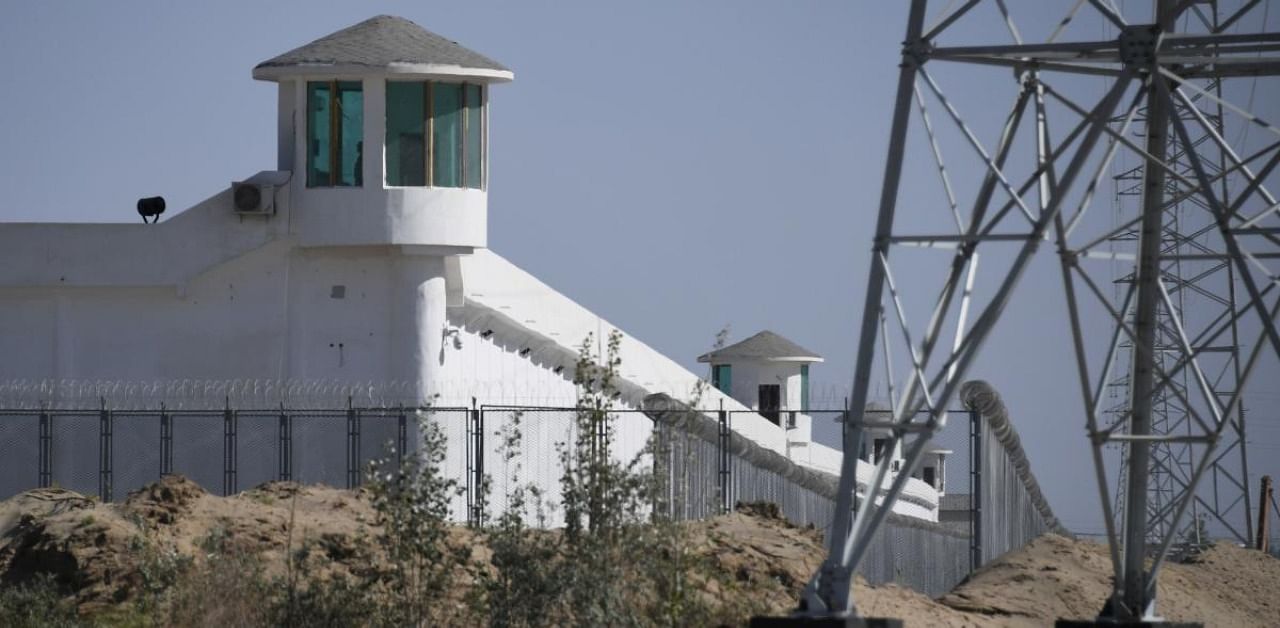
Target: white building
(361, 256)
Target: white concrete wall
(170, 253)
(225, 326)
(347, 314)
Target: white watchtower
(384, 126)
(769, 374)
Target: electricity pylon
(1037, 183)
(1206, 287)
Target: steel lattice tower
(1196, 287)
(1034, 180)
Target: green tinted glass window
(804, 387)
(406, 133)
(350, 99)
(318, 135)
(474, 148)
(335, 134)
(722, 378)
(446, 145)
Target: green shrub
(412, 507)
(36, 604)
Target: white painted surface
(426, 71)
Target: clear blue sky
(674, 166)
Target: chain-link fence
(1011, 510)
(989, 502)
(107, 452)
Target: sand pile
(1058, 577)
(93, 551)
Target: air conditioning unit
(253, 198)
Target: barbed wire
(216, 394)
(203, 394)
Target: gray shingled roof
(765, 345)
(379, 42)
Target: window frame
(722, 378)
(429, 133)
(804, 388)
(335, 134)
(773, 412)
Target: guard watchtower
(384, 126)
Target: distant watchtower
(765, 372)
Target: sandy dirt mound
(95, 552)
(1058, 577)
(758, 546)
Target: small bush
(524, 585)
(412, 507)
(225, 587)
(36, 604)
(313, 601)
(618, 559)
(161, 568)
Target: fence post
(105, 420)
(284, 445)
(470, 424)
(723, 462)
(475, 475)
(663, 471)
(1264, 499)
(844, 426)
(402, 437)
(166, 442)
(353, 446)
(228, 450)
(45, 450)
(975, 490)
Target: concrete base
(1090, 623)
(825, 622)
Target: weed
(412, 510)
(523, 587)
(160, 569)
(226, 587)
(36, 604)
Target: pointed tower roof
(385, 44)
(765, 346)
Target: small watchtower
(766, 372)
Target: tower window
(769, 401)
(335, 134)
(435, 134)
(722, 378)
(804, 387)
